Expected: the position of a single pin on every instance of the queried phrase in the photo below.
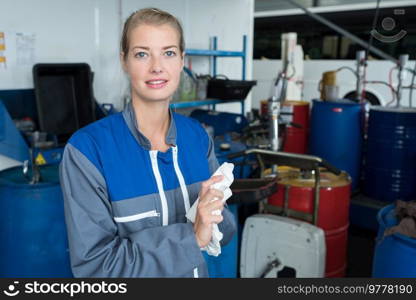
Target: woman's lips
(156, 83)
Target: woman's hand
(209, 201)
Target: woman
(129, 179)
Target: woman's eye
(170, 53)
(140, 54)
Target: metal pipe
(360, 57)
(274, 110)
(316, 196)
(286, 200)
(411, 86)
(403, 59)
(279, 95)
(344, 33)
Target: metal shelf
(200, 52)
(213, 54)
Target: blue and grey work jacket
(125, 204)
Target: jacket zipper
(147, 214)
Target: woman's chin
(155, 99)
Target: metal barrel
(390, 164)
(296, 134)
(297, 193)
(33, 232)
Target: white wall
(89, 31)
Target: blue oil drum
(390, 159)
(33, 234)
(222, 122)
(394, 255)
(225, 265)
(224, 146)
(336, 135)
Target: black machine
(64, 98)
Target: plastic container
(64, 98)
(222, 122)
(395, 254)
(33, 234)
(336, 135)
(227, 89)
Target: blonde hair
(149, 16)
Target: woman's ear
(123, 62)
(183, 59)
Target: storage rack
(214, 53)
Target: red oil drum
(296, 137)
(264, 108)
(333, 212)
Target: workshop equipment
(336, 135)
(394, 255)
(360, 58)
(296, 190)
(227, 131)
(225, 266)
(295, 115)
(222, 122)
(224, 146)
(226, 89)
(17, 147)
(274, 246)
(401, 65)
(33, 232)
(293, 65)
(13, 148)
(283, 86)
(389, 162)
(64, 98)
(306, 205)
(245, 192)
(328, 86)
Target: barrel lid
(294, 177)
(14, 177)
(340, 102)
(295, 103)
(399, 109)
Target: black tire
(369, 97)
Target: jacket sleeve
(228, 226)
(96, 248)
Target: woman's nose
(156, 66)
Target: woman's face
(154, 62)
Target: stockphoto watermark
(69, 288)
(390, 25)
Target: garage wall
(89, 31)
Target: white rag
(226, 170)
